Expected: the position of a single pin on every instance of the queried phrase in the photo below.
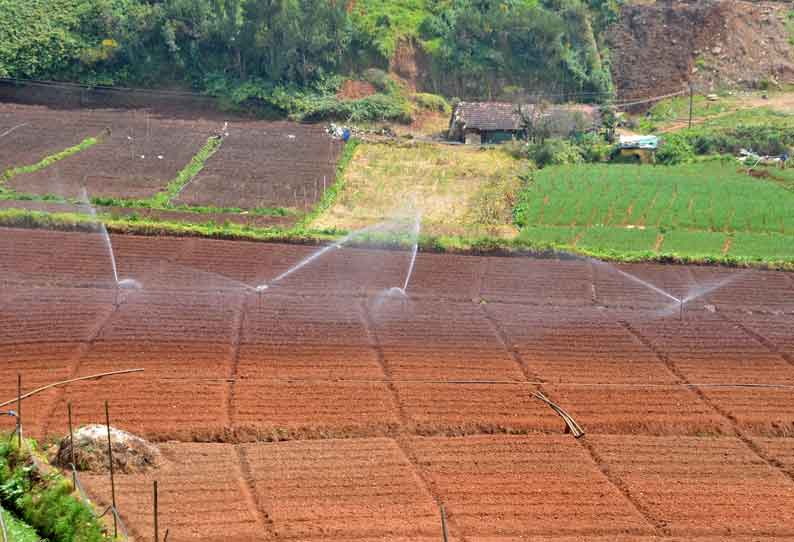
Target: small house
(638, 148)
(477, 123)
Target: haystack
(131, 454)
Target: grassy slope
(459, 190)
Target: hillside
(658, 47)
(291, 57)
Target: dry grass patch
(459, 190)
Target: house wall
(498, 136)
(472, 138)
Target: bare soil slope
(659, 47)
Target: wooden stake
(112, 478)
(156, 527)
(19, 410)
(71, 442)
(444, 524)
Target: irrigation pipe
(571, 425)
(71, 381)
(626, 385)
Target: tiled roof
(489, 116)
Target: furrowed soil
(258, 165)
(267, 164)
(327, 407)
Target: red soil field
(31, 133)
(700, 486)
(267, 164)
(396, 405)
(137, 159)
(362, 489)
(524, 485)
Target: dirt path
(778, 102)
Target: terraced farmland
(696, 210)
(322, 409)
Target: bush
(675, 149)
(554, 152)
(372, 108)
(432, 102)
(593, 148)
(516, 148)
(379, 79)
(45, 502)
(769, 140)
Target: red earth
(323, 409)
(259, 164)
(267, 164)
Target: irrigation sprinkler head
(129, 284)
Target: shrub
(45, 502)
(516, 148)
(675, 149)
(554, 152)
(593, 148)
(378, 79)
(432, 102)
(770, 140)
(372, 108)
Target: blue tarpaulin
(639, 142)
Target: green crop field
(702, 210)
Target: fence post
(19, 411)
(112, 478)
(156, 526)
(71, 443)
(444, 523)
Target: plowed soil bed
(267, 164)
(137, 156)
(395, 404)
(259, 164)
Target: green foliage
(693, 243)
(554, 152)
(475, 44)
(704, 196)
(44, 501)
(286, 46)
(432, 102)
(380, 24)
(618, 240)
(768, 140)
(675, 149)
(49, 160)
(376, 107)
(315, 103)
(770, 247)
(188, 173)
(18, 530)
